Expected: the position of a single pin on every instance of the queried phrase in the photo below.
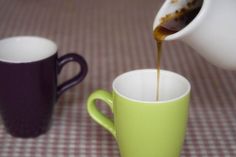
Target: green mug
(142, 126)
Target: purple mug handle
(71, 57)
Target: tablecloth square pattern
(115, 37)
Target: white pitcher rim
(191, 26)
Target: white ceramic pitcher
(212, 33)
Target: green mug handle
(96, 114)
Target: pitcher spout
(171, 8)
(211, 32)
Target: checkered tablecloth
(115, 37)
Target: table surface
(115, 37)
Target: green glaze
(98, 116)
(143, 129)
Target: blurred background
(115, 37)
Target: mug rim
(15, 38)
(151, 102)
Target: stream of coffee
(171, 24)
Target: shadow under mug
(29, 66)
(142, 126)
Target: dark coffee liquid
(171, 24)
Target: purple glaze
(78, 78)
(28, 92)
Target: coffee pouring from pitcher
(211, 33)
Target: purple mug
(28, 83)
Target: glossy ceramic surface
(29, 89)
(145, 127)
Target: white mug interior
(141, 85)
(23, 49)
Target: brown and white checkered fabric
(114, 37)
